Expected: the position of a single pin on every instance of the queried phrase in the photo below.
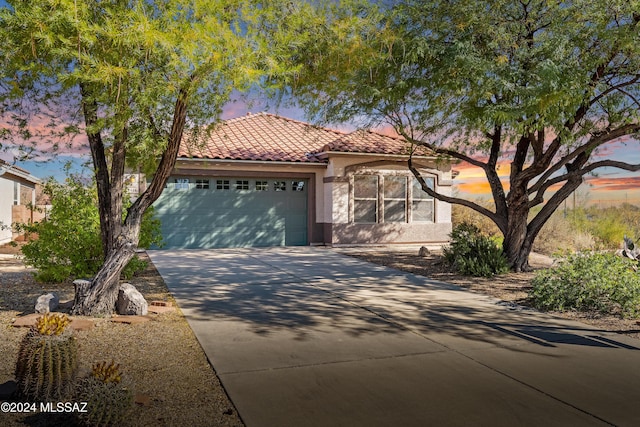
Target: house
(17, 194)
(266, 180)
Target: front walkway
(309, 337)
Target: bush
(69, 243)
(472, 253)
(596, 281)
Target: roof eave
(327, 154)
(256, 162)
(19, 174)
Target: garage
(226, 212)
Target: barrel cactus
(47, 360)
(109, 397)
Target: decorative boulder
(130, 302)
(424, 251)
(47, 303)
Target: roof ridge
(287, 119)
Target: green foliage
(67, 243)
(47, 365)
(607, 225)
(602, 282)
(475, 254)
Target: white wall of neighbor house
(6, 203)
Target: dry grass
(162, 356)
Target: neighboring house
(17, 195)
(265, 180)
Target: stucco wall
(6, 203)
(342, 230)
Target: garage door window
(280, 186)
(182, 183)
(222, 184)
(297, 185)
(202, 184)
(262, 186)
(242, 185)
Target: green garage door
(233, 212)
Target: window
(222, 184)
(297, 185)
(280, 186)
(242, 185)
(262, 186)
(16, 193)
(365, 198)
(395, 199)
(202, 184)
(421, 203)
(182, 183)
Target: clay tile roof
(371, 142)
(267, 137)
(262, 136)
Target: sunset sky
(609, 186)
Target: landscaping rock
(26, 321)
(131, 302)
(47, 303)
(424, 251)
(130, 320)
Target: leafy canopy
(131, 59)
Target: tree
(538, 85)
(134, 77)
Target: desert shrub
(69, 243)
(558, 235)
(602, 282)
(473, 253)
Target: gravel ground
(511, 287)
(162, 357)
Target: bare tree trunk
(121, 239)
(100, 298)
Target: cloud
(629, 183)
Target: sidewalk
(306, 336)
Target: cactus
(47, 360)
(109, 397)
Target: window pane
(222, 184)
(202, 184)
(418, 193)
(422, 210)
(297, 185)
(262, 186)
(280, 186)
(242, 185)
(394, 211)
(395, 187)
(365, 186)
(364, 211)
(182, 183)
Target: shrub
(69, 243)
(472, 253)
(595, 281)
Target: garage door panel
(210, 218)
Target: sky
(608, 187)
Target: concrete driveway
(309, 337)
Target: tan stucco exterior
(330, 199)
